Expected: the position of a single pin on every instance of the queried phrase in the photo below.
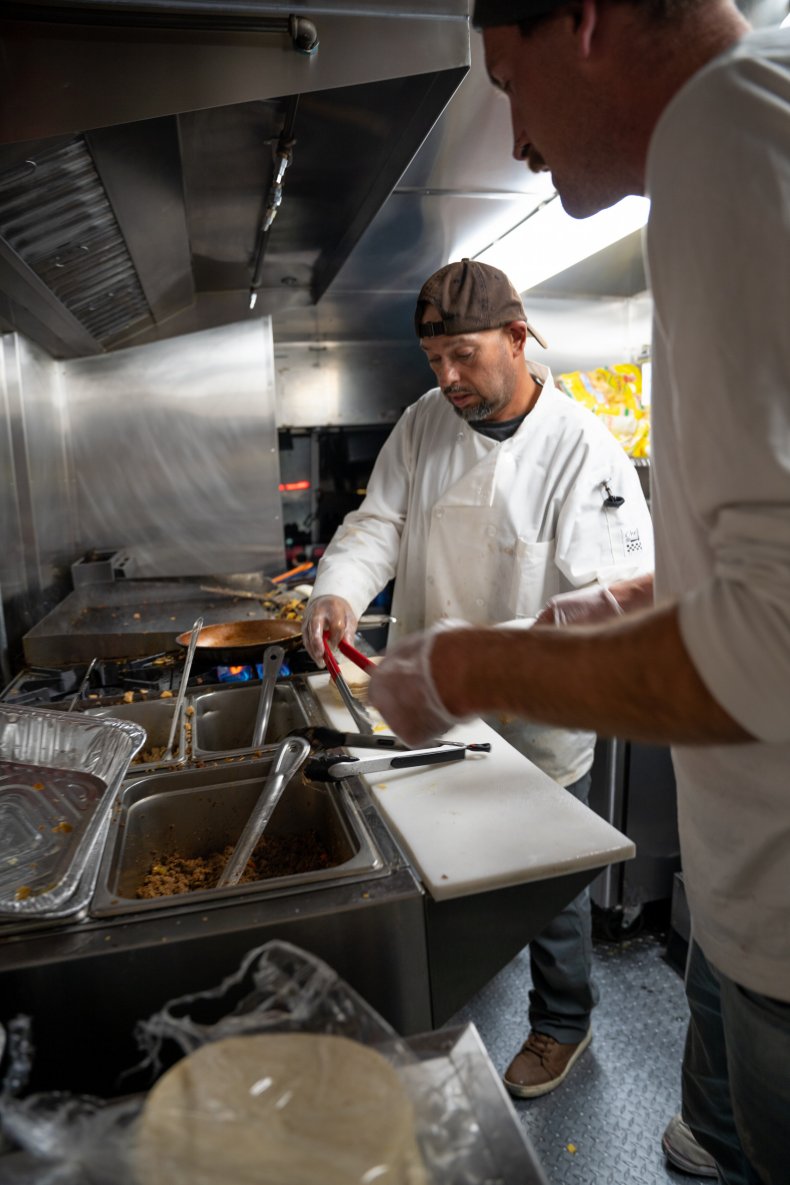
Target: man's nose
(447, 374)
(520, 140)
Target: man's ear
(587, 26)
(518, 335)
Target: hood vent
(56, 215)
(144, 143)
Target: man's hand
(594, 603)
(332, 615)
(402, 689)
(580, 606)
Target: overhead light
(785, 22)
(548, 240)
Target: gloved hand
(332, 614)
(402, 689)
(580, 606)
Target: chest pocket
(535, 577)
(478, 571)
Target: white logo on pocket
(631, 540)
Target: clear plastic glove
(327, 614)
(403, 691)
(580, 606)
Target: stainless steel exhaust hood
(156, 170)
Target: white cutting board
(491, 820)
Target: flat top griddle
(129, 619)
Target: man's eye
(464, 357)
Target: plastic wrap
(59, 777)
(279, 989)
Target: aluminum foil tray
(59, 778)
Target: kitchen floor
(603, 1125)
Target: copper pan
(233, 636)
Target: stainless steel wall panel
(348, 383)
(175, 452)
(37, 525)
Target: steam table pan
(155, 717)
(60, 775)
(195, 812)
(224, 719)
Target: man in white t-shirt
(679, 100)
(493, 493)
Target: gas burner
(112, 680)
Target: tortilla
(357, 680)
(279, 1109)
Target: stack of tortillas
(279, 1109)
(356, 678)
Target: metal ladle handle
(272, 661)
(182, 690)
(289, 756)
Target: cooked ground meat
(154, 753)
(275, 855)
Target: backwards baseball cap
(471, 297)
(510, 12)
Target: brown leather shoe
(541, 1064)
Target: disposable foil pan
(59, 779)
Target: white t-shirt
(718, 247)
(486, 531)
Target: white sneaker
(683, 1152)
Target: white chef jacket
(486, 531)
(719, 180)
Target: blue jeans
(736, 1076)
(563, 994)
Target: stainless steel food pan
(156, 717)
(224, 720)
(197, 812)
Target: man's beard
(473, 413)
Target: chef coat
(487, 531)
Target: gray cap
(510, 12)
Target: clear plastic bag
(61, 1139)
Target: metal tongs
(323, 737)
(357, 710)
(332, 767)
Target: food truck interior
(214, 220)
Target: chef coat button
(491, 529)
(440, 514)
(480, 601)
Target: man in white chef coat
(679, 100)
(493, 493)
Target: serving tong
(358, 712)
(328, 767)
(323, 737)
(288, 757)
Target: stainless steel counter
(86, 980)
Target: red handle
(330, 660)
(356, 656)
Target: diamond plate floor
(603, 1125)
